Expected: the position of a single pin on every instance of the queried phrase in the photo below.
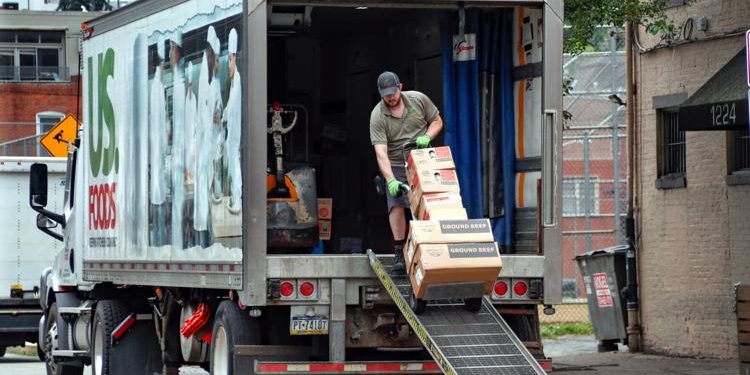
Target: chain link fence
(19, 138)
(594, 169)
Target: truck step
(460, 341)
(76, 310)
(70, 353)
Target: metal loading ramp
(461, 342)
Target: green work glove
(422, 141)
(393, 186)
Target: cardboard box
(430, 158)
(432, 181)
(324, 229)
(442, 213)
(454, 263)
(325, 208)
(450, 231)
(435, 200)
(409, 252)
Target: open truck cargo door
(521, 162)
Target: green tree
(584, 17)
(88, 5)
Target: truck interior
(327, 60)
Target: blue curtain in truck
(463, 86)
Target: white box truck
(24, 255)
(189, 229)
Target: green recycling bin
(603, 274)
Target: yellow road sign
(56, 140)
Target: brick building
(692, 186)
(38, 75)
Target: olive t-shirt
(386, 129)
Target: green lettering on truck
(104, 159)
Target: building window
(740, 150)
(577, 196)
(671, 160)
(738, 157)
(27, 55)
(44, 122)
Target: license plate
(308, 320)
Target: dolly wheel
(473, 304)
(417, 305)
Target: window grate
(741, 151)
(673, 145)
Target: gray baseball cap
(388, 83)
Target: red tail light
(286, 289)
(501, 288)
(520, 288)
(307, 289)
(123, 327)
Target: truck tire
(232, 327)
(50, 343)
(139, 342)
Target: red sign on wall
(601, 287)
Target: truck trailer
(181, 246)
(24, 255)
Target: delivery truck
(24, 255)
(209, 129)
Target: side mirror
(38, 185)
(43, 222)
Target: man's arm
(435, 127)
(381, 153)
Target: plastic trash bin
(604, 277)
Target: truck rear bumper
(419, 367)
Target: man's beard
(389, 105)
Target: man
(209, 102)
(233, 119)
(178, 139)
(157, 151)
(400, 117)
(190, 141)
(217, 106)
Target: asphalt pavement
(571, 355)
(30, 365)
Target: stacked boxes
(444, 246)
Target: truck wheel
(473, 304)
(139, 342)
(232, 327)
(51, 338)
(108, 314)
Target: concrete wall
(695, 240)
